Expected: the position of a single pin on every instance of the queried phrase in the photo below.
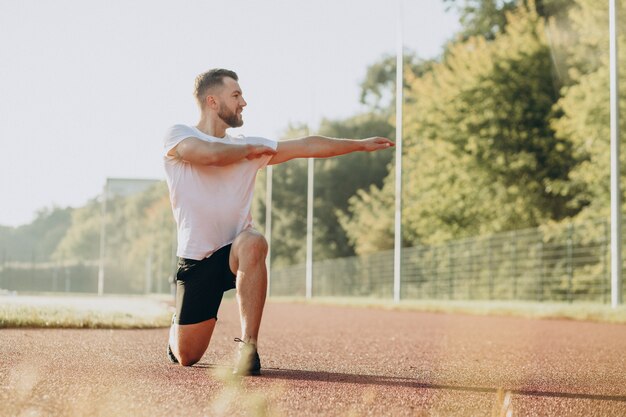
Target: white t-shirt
(211, 204)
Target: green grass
(83, 311)
(135, 312)
(550, 310)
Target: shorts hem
(194, 321)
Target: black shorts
(200, 286)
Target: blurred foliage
(82, 239)
(481, 155)
(35, 242)
(289, 196)
(488, 18)
(336, 180)
(378, 89)
(585, 108)
(139, 237)
(484, 18)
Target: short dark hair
(211, 79)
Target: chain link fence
(75, 276)
(563, 263)
(560, 263)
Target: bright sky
(87, 88)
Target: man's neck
(215, 128)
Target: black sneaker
(248, 361)
(170, 354)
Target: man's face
(231, 103)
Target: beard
(230, 117)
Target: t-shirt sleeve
(174, 136)
(263, 161)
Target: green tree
(289, 188)
(81, 240)
(38, 239)
(336, 180)
(139, 235)
(488, 18)
(480, 153)
(584, 107)
(378, 89)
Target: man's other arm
(324, 147)
(197, 151)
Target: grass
(83, 311)
(135, 312)
(594, 312)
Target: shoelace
(238, 340)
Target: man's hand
(257, 151)
(376, 143)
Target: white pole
(269, 172)
(616, 213)
(102, 239)
(173, 260)
(397, 254)
(309, 230)
(149, 260)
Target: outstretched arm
(197, 151)
(323, 147)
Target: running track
(322, 360)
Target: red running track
(324, 360)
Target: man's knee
(192, 341)
(254, 247)
(188, 357)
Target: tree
(584, 107)
(139, 235)
(378, 89)
(484, 18)
(37, 240)
(488, 18)
(480, 153)
(336, 180)
(81, 240)
(289, 187)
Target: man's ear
(210, 102)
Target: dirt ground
(324, 360)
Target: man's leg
(200, 287)
(247, 261)
(189, 341)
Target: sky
(88, 87)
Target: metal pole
(309, 231)
(570, 262)
(149, 260)
(616, 214)
(102, 239)
(173, 260)
(269, 172)
(397, 254)
(161, 248)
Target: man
(211, 177)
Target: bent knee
(254, 245)
(186, 359)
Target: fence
(64, 277)
(564, 263)
(568, 263)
